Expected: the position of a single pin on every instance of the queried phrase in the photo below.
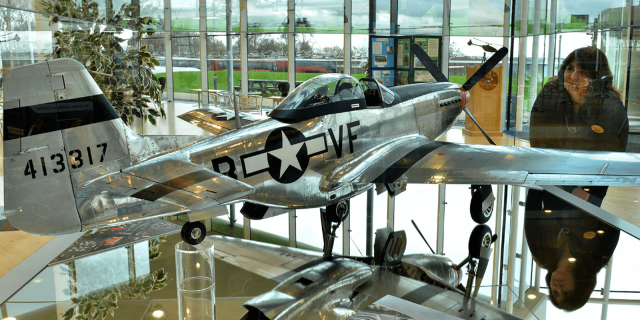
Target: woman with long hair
(579, 110)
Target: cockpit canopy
(321, 95)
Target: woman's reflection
(572, 245)
(580, 110)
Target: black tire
(480, 236)
(475, 208)
(338, 212)
(193, 232)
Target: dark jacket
(600, 125)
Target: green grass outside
(184, 81)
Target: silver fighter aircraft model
(310, 286)
(72, 164)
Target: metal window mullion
(513, 240)
(204, 81)
(244, 65)
(291, 43)
(346, 236)
(607, 289)
(522, 62)
(347, 37)
(442, 193)
(168, 52)
(446, 39)
(496, 257)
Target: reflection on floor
(124, 274)
(127, 283)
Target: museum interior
(526, 229)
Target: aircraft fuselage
(285, 162)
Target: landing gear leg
(193, 232)
(331, 218)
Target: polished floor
(134, 282)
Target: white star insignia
(287, 154)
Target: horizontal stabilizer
(175, 182)
(217, 120)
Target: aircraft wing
(417, 160)
(217, 120)
(175, 182)
(270, 261)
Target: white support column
(244, 55)
(391, 211)
(522, 62)
(292, 229)
(247, 227)
(607, 289)
(346, 236)
(513, 240)
(168, 54)
(347, 37)
(204, 81)
(524, 263)
(442, 191)
(497, 263)
(291, 42)
(446, 31)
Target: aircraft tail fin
(59, 132)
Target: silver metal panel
(102, 148)
(78, 81)
(364, 167)
(35, 202)
(28, 84)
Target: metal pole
(522, 63)
(232, 217)
(229, 47)
(391, 211)
(551, 56)
(244, 54)
(292, 229)
(442, 193)
(496, 257)
(446, 39)
(607, 289)
(533, 91)
(291, 40)
(204, 74)
(347, 38)
(370, 222)
(168, 54)
(513, 240)
(346, 236)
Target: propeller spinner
(464, 90)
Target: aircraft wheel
(480, 237)
(338, 212)
(479, 216)
(193, 232)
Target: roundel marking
(286, 154)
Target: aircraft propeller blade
(425, 240)
(429, 64)
(479, 127)
(485, 68)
